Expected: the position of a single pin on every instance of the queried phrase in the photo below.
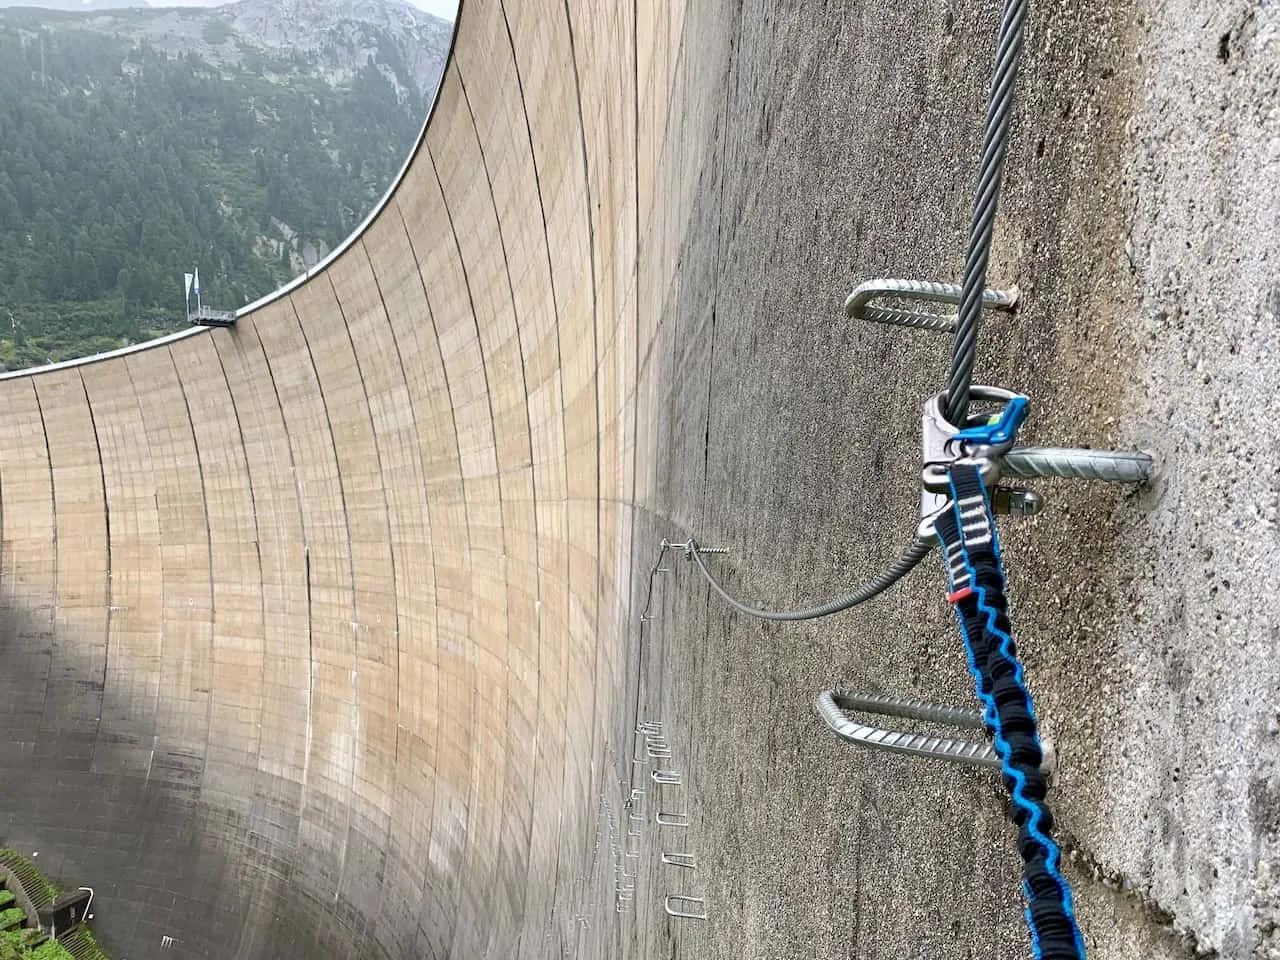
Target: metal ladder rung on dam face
(686, 908)
(832, 706)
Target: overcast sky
(448, 9)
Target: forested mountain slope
(247, 140)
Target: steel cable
(969, 318)
(981, 227)
(885, 579)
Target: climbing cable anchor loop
(987, 440)
(982, 441)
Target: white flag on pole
(187, 278)
(195, 284)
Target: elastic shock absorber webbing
(967, 533)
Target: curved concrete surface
(310, 621)
(321, 633)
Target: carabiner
(981, 441)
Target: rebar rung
(688, 547)
(674, 904)
(1074, 463)
(941, 748)
(685, 860)
(972, 753)
(858, 305)
(964, 717)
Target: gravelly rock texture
(1139, 220)
(323, 635)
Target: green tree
(122, 166)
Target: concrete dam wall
(311, 623)
(320, 634)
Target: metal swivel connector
(987, 442)
(1016, 502)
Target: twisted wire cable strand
(995, 141)
(910, 557)
(972, 295)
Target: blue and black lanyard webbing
(967, 533)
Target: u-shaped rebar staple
(679, 860)
(674, 905)
(858, 305)
(671, 819)
(961, 751)
(831, 705)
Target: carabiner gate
(981, 441)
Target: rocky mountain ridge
(333, 38)
(135, 144)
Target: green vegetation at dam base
(20, 941)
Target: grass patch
(17, 943)
(30, 945)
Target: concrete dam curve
(319, 635)
(310, 621)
